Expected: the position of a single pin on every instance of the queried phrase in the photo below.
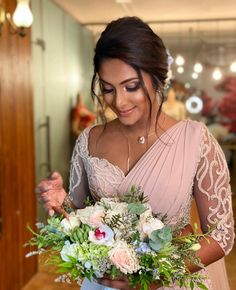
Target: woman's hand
(123, 284)
(51, 192)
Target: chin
(127, 121)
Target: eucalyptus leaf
(163, 234)
(156, 245)
(135, 208)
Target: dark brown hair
(133, 41)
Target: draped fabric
(185, 162)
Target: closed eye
(106, 89)
(133, 87)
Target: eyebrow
(123, 82)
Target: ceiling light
(233, 66)
(217, 74)
(194, 75)
(180, 69)
(179, 60)
(187, 86)
(198, 67)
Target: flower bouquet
(117, 237)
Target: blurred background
(46, 67)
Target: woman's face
(122, 91)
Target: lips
(125, 113)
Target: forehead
(116, 71)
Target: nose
(119, 99)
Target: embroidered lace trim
(213, 193)
(103, 177)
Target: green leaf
(166, 233)
(135, 208)
(159, 238)
(181, 283)
(156, 245)
(202, 286)
(67, 265)
(167, 274)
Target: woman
(173, 107)
(172, 161)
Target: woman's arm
(52, 193)
(212, 194)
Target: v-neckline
(139, 160)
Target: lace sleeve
(213, 193)
(79, 189)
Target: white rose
(70, 223)
(124, 258)
(144, 217)
(114, 204)
(91, 215)
(120, 207)
(116, 209)
(96, 219)
(68, 250)
(152, 225)
(109, 201)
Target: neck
(142, 131)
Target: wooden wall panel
(17, 177)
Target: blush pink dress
(186, 162)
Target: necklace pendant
(141, 140)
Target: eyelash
(106, 91)
(133, 89)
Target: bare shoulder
(102, 134)
(166, 121)
(100, 129)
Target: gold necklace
(141, 140)
(128, 145)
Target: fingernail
(51, 212)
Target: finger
(51, 212)
(37, 190)
(49, 176)
(60, 210)
(120, 284)
(44, 199)
(55, 180)
(43, 187)
(53, 175)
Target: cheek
(141, 100)
(108, 99)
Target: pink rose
(124, 258)
(91, 215)
(96, 218)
